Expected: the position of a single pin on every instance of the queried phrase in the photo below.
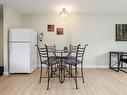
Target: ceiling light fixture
(63, 13)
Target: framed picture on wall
(121, 32)
(59, 31)
(50, 28)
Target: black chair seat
(123, 60)
(52, 61)
(72, 61)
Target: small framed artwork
(121, 32)
(59, 31)
(50, 28)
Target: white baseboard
(86, 66)
(5, 73)
(96, 66)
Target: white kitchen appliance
(22, 50)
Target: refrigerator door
(17, 34)
(19, 57)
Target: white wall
(39, 24)
(98, 30)
(12, 18)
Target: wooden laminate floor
(97, 82)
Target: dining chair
(51, 47)
(51, 50)
(76, 60)
(71, 55)
(52, 54)
(46, 60)
(123, 62)
(73, 48)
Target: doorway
(1, 40)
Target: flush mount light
(63, 13)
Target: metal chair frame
(44, 53)
(79, 54)
(123, 59)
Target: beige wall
(96, 29)
(1, 35)
(12, 18)
(39, 24)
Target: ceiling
(76, 6)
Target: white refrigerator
(22, 50)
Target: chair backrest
(80, 52)
(51, 48)
(73, 49)
(43, 53)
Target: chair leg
(82, 73)
(51, 70)
(47, 69)
(121, 64)
(69, 70)
(48, 78)
(76, 76)
(40, 74)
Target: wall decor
(50, 28)
(121, 32)
(41, 36)
(59, 31)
